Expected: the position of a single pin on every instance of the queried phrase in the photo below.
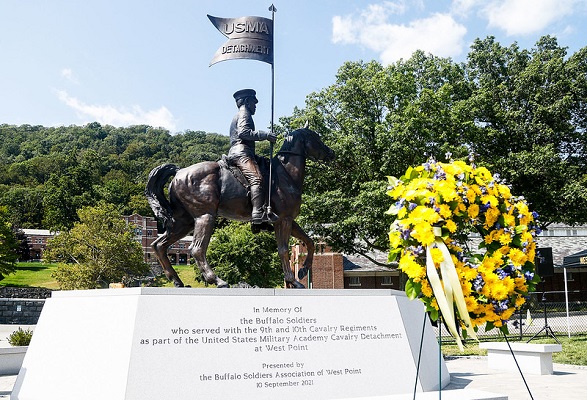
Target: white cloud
(524, 17)
(68, 74)
(464, 7)
(438, 34)
(110, 115)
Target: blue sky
(128, 62)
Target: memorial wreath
(437, 207)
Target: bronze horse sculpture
(203, 191)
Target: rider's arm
(245, 129)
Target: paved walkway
(569, 382)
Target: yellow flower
(504, 191)
(473, 211)
(499, 290)
(509, 220)
(520, 301)
(445, 211)
(423, 233)
(426, 289)
(518, 257)
(436, 255)
(505, 239)
(408, 264)
(423, 214)
(492, 200)
(491, 216)
(394, 239)
(471, 303)
(451, 226)
(446, 190)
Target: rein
(293, 153)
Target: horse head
(306, 143)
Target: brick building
(146, 233)
(337, 271)
(37, 241)
(145, 229)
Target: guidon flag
(248, 38)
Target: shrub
(20, 337)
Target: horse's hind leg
(298, 233)
(203, 229)
(162, 243)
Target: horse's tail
(155, 195)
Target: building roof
(38, 232)
(361, 263)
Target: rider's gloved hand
(272, 137)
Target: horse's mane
(288, 142)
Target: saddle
(262, 162)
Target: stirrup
(270, 216)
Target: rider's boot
(258, 200)
(259, 214)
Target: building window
(570, 277)
(354, 281)
(386, 281)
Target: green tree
(98, 250)
(525, 109)
(8, 245)
(238, 255)
(378, 120)
(521, 113)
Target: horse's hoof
(295, 285)
(222, 284)
(178, 284)
(302, 273)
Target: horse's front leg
(299, 233)
(283, 231)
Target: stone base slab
(167, 343)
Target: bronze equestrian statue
(201, 192)
(242, 151)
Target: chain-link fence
(544, 314)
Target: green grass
(32, 274)
(38, 274)
(574, 349)
(186, 274)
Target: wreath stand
(440, 359)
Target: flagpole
(273, 10)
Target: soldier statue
(242, 151)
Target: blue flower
(405, 235)
(478, 283)
(500, 306)
(440, 175)
(529, 275)
(501, 273)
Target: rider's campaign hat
(241, 94)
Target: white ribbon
(452, 291)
